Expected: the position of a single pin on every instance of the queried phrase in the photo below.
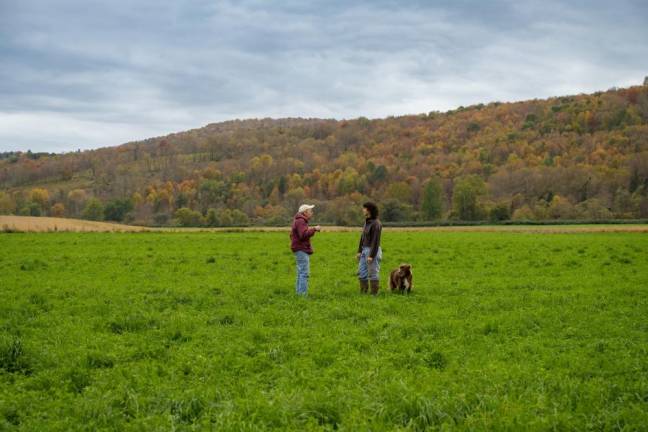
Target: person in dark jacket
(300, 236)
(369, 251)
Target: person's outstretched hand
(318, 228)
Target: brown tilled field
(48, 224)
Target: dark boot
(375, 286)
(364, 286)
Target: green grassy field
(199, 331)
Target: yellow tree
(7, 204)
(137, 199)
(58, 210)
(76, 198)
(40, 196)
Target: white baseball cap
(304, 207)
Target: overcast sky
(87, 73)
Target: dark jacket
(371, 236)
(300, 235)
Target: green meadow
(202, 331)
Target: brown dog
(401, 279)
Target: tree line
(572, 157)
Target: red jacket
(300, 235)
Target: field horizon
(52, 224)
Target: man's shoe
(364, 286)
(375, 286)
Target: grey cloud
(116, 71)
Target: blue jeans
(368, 271)
(303, 272)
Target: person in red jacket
(300, 236)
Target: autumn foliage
(575, 157)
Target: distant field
(199, 331)
(49, 224)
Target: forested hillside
(574, 157)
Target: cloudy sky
(88, 73)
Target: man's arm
(360, 243)
(375, 241)
(303, 231)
